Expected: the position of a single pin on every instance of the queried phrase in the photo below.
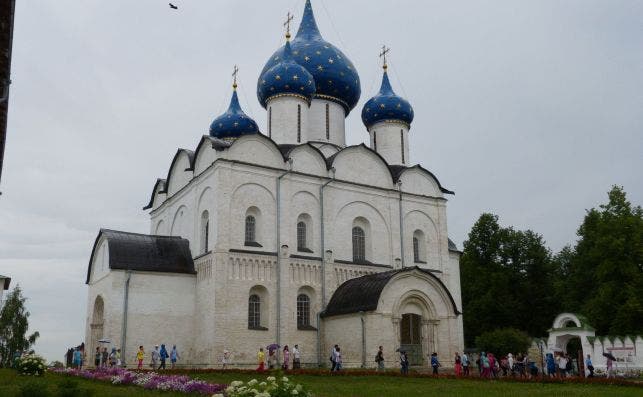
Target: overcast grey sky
(528, 109)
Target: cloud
(531, 110)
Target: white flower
(218, 395)
(284, 379)
(252, 382)
(263, 384)
(236, 383)
(295, 392)
(271, 379)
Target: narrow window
(375, 140)
(402, 143)
(416, 250)
(303, 311)
(250, 229)
(270, 122)
(359, 244)
(298, 123)
(301, 236)
(327, 121)
(206, 235)
(254, 311)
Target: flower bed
(147, 380)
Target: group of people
(103, 358)
(272, 359)
(158, 358)
(75, 356)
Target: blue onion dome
(335, 77)
(286, 78)
(387, 106)
(234, 122)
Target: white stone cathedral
(288, 236)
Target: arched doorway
(411, 337)
(97, 325)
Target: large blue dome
(387, 106)
(334, 74)
(233, 123)
(286, 78)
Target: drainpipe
(124, 324)
(399, 185)
(322, 247)
(279, 254)
(361, 318)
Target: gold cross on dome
(385, 50)
(235, 72)
(289, 18)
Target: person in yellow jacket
(140, 356)
(261, 358)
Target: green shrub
(69, 388)
(31, 365)
(34, 388)
(503, 341)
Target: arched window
(205, 231)
(251, 235)
(298, 123)
(303, 311)
(301, 236)
(359, 244)
(419, 247)
(254, 311)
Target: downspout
(279, 254)
(323, 264)
(361, 318)
(124, 324)
(399, 185)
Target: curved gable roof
(330, 161)
(190, 155)
(362, 294)
(160, 184)
(398, 170)
(244, 138)
(142, 252)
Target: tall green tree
(14, 324)
(507, 280)
(605, 269)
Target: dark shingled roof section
(362, 294)
(452, 246)
(7, 281)
(141, 252)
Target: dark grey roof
(7, 281)
(362, 294)
(452, 246)
(142, 252)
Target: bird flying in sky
(172, 6)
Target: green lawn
(326, 386)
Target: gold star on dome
(277, 77)
(301, 88)
(326, 47)
(306, 58)
(295, 77)
(339, 56)
(310, 82)
(220, 125)
(398, 106)
(330, 82)
(236, 124)
(330, 60)
(318, 52)
(368, 110)
(276, 58)
(320, 67)
(295, 52)
(382, 106)
(342, 74)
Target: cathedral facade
(288, 236)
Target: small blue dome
(286, 78)
(334, 75)
(387, 106)
(233, 123)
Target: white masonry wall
(288, 120)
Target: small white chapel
(288, 236)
